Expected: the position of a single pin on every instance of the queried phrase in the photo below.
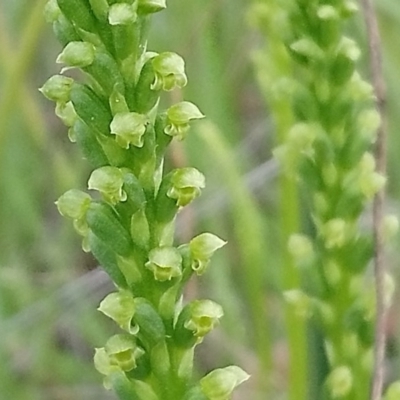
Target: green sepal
(151, 326)
(91, 109)
(145, 97)
(105, 71)
(144, 390)
(89, 145)
(220, 383)
(151, 6)
(160, 361)
(79, 12)
(57, 88)
(117, 101)
(76, 54)
(105, 223)
(107, 260)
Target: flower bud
(186, 185)
(123, 351)
(165, 263)
(370, 182)
(100, 9)
(57, 88)
(301, 137)
(204, 315)
(307, 48)
(300, 247)
(169, 69)
(151, 6)
(108, 181)
(300, 302)
(220, 383)
(340, 382)
(120, 307)
(122, 14)
(368, 122)
(178, 118)
(335, 233)
(77, 55)
(202, 248)
(129, 128)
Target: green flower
(220, 383)
(122, 14)
(178, 118)
(165, 263)
(129, 128)
(204, 315)
(74, 204)
(186, 185)
(77, 55)
(169, 70)
(120, 307)
(57, 88)
(202, 248)
(123, 352)
(108, 181)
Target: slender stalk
(379, 201)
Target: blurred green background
(49, 288)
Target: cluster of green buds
(127, 220)
(327, 149)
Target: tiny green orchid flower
(129, 128)
(165, 263)
(123, 351)
(57, 88)
(77, 55)
(122, 13)
(204, 316)
(202, 248)
(108, 181)
(169, 70)
(120, 307)
(186, 185)
(179, 117)
(220, 383)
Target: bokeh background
(49, 288)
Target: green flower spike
(120, 307)
(165, 263)
(122, 14)
(152, 6)
(202, 248)
(77, 55)
(123, 351)
(178, 118)
(108, 181)
(204, 316)
(57, 88)
(129, 128)
(186, 185)
(220, 383)
(169, 70)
